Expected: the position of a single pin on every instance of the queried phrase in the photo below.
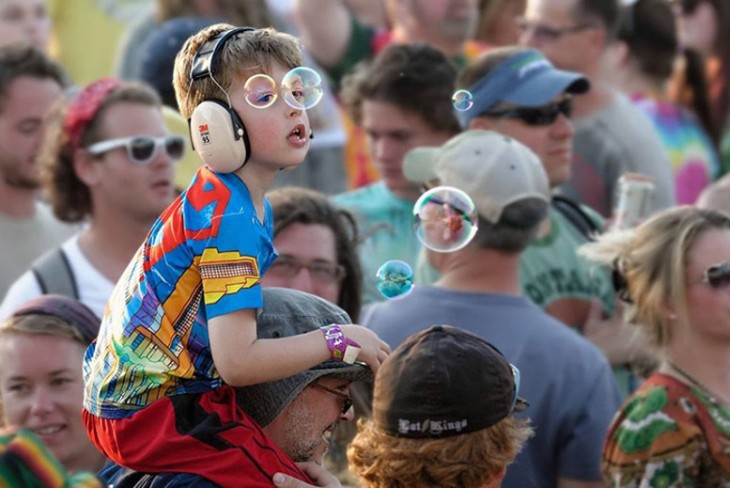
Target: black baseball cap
(444, 381)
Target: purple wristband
(342, 348)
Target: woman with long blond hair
(674, 273)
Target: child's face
(279, 134)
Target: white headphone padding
(213, 132)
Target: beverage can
(633, 202)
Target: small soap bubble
(462, 100)
(394, 279)
(302, 87)
(445, 219)
(260, 91)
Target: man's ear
(617, 53)
(481, 123)
(86, 167)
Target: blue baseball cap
(526, 79)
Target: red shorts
(205, 434)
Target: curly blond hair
(469, 460)
(651, 259)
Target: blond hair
(40, 324)
(246, 54)
(469, 460)
(651, 260)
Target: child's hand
(373, 350)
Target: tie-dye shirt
(668, 434)
(695, 163)
(203, 258)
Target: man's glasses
(346, 400)
(718, 276)
(142, 149)
(322, 271)
(545, 115)
(546, 33)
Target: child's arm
(242, 359)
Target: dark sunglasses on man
(142, 150)
(543, 115)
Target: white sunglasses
(142, 149)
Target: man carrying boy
(180, 328)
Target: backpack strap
(53, 273)
(572, 211)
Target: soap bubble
(394, 279)
(445, 219)
(260, 91)
(302, 88)
(463, 100)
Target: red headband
(83, 109)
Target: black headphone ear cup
(219, 136)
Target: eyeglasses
(347, 401)
(142, 149)
(545, 115)
(717, 276)
(322, 271)
(545, 33)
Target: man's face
(552, 143)
(139, 192)
(551, 27)
(450, 20)
(22, 117)
(303, 429)
(392, 132)
(24, 21)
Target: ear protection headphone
(216, 130)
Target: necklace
(714, 397)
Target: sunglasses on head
(544, 115)
(717, 276)
(142, 149)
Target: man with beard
(29, 84)
(299, 413)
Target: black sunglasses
(718, 276)
(544, 115)
(346, 400)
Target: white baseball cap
(493, 169)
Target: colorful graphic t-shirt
(695, 163)
(668, 434)
(203, 258)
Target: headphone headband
(204, 62)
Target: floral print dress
(668, 434)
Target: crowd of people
(197, 199)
